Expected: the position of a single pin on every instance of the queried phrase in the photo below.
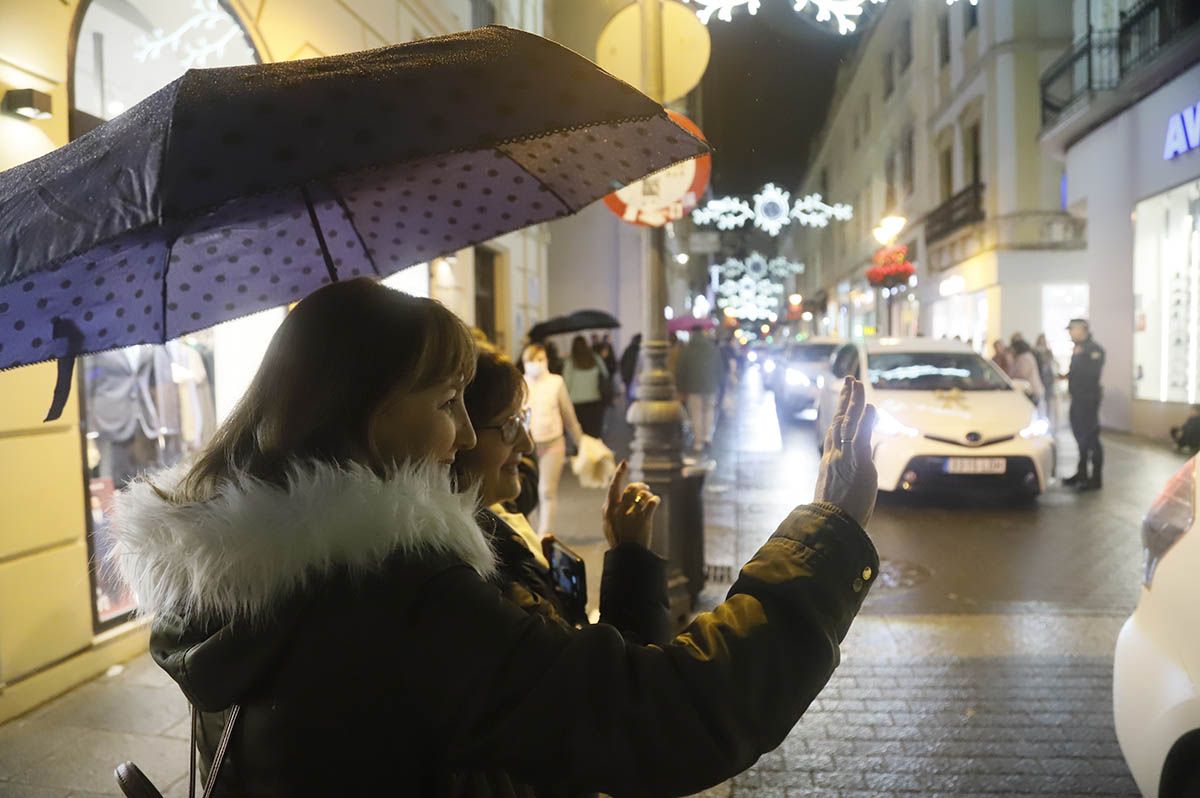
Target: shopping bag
(594, 464)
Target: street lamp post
(656, 414)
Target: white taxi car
(1156, 670)
(948, 418)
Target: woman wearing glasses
(634, 593)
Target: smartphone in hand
(569, 576)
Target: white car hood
(953, 415)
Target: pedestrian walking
(552, 416)
(589, 385)
(604, 351)
(1001, 356)
(629, 365)
(318, 541)
(1048, 370)
(1025, 367)
(698, 377)
(633, 594)
(1083, 384)
(554, 361)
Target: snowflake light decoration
(722, 8)
(813, 211)
(772, 210)
(190, 37)
(726, 213)
(753, 288)
(844, 12)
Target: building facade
(62, 620)
(935, 118)
(1120, 109)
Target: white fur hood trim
(237, 554)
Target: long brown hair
(581, 354)
(336, 356)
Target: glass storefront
(1166, 339)
(963, 317)
(147, 407)
(1062, 302)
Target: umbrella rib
(316, 223)
(165, 282)
(361, 242)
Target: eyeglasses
(513, 425)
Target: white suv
(1157, 667)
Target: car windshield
(933, 371)
(811, 353)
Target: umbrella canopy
(236, 189)
(574, 322)
(689, 322)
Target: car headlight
(797, 377)
(889, 425)
(1169, 518)
(769, 366)
(1037, 428)
(752, 357)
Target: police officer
(1083, 383)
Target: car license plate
(976, 465)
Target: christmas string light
(844, 12)
(753, 288)
(771, 212)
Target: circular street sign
(667, 195)
(686, 47)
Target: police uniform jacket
(1083, 380)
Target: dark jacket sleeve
(587, 710)
(633, 594)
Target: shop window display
(147, 407)
(1167, 296)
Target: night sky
(765, 94)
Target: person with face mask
(551, 416)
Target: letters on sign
(1183, 132)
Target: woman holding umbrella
(316, 569)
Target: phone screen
(570, 577)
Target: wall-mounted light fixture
(29, 103)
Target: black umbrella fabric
(236, 189)
(574, 322)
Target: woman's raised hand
(847, 476)
(629, 511)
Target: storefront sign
(1183, 132)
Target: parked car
(1156, 670)
(803, 371)
(948, 418)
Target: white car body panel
(943, 420)
(1156, 669)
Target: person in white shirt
(551, 416)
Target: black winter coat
(357, 622)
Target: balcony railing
(1150, 26)
(964, 208)
(1103, 58)
(1090, 65)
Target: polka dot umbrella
(236, 189)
